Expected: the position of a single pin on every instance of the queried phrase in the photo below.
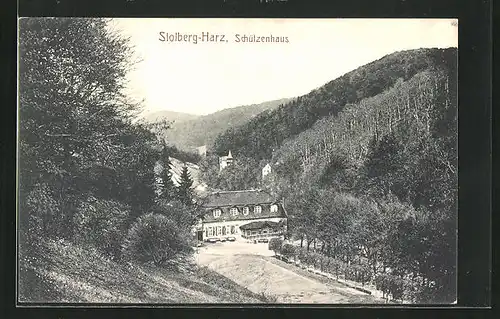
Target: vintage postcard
(237, 161)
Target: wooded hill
(268, 130)
(188, 134)
(367, 165)
(171, 116)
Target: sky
(207, 77)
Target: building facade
(266, 170)
(225, 161)
(242, 214)
(202, 150)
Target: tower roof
(229, 154)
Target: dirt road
(252, 266)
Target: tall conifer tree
(184, 190)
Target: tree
(184, 190)
(75, 124)
(76, 136)
(168, 190)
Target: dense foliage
(203, 130)
(367, 165)
(86, 168)
(268, 130)
(155, 238)
(244, 173)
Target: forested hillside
(87, 185)
(367, 165)
(186, 135)
(267, 131)
(170, 116)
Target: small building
(202, 150)
(225, 161)
(245, 214)
(266, 170)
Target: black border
(474, 130)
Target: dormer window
(257, 209)
(246, 210)
(217, 213)
(274, 208)
(234, 211)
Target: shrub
(288, 250)
(302, 254)
(41, 214)
(103, 224)
(275, 245)
(154, 238)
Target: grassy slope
(73, 274)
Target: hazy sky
(205, 77)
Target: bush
(275, 245)
(302, 254)
(103, 224)
(41, 214)
(288, 250)
(156, 239)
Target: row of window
(220, 231)
(246, 210)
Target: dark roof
(245, 197)
(259, 224)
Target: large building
(245, 214)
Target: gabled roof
(244, 197)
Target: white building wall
(236, 223)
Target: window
(219, 231)
(245, 211)
(232, 230)
(223, 230)
(257, 209)
(274, 208)
(210, 231)
(234, 211)
(217, 213)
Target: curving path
(252, 266)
